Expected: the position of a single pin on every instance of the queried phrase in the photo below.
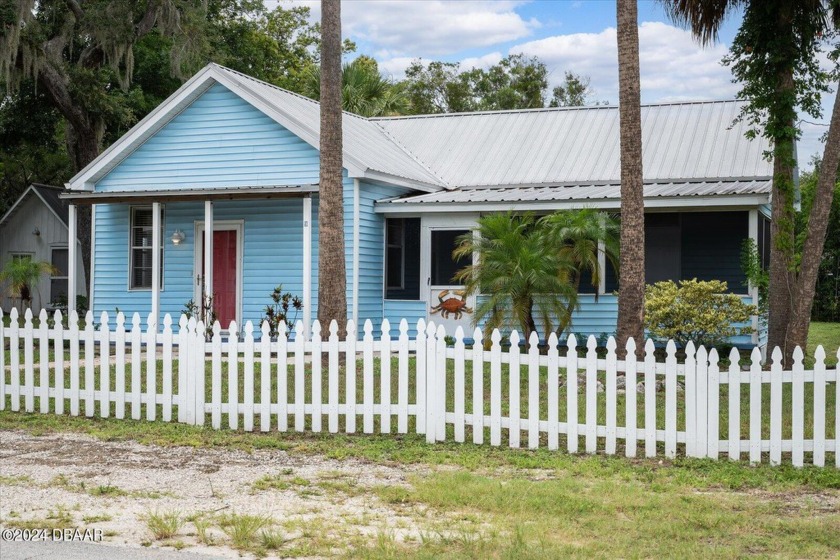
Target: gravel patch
(115, 485)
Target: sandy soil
(40, 475)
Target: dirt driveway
(304, 506)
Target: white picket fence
(421, 385)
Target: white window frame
(401, 247)
(131, 248)
(66, 272)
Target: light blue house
(225, 173)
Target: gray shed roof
(48, 195)
(582, 192)
(572, 146)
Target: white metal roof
(583, 192)
(681, 142)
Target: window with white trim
(58, 279)
(140, 241)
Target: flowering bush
(695, 310)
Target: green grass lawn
(827, 335)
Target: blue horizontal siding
(272, 255)
(220, 140)
(396, 310)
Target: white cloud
(483, 62)
(673, 66)
(429, 27)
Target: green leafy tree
(575, 91)
(775, 56)
(437, 88)
(580, 237)
(519, 273)
(692, 310)
(364, 90)
(515, 82)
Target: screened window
(402, 258)
(58, 280)
(444, 265)
(141, 248)
(22, 256)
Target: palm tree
(518, 273)
(631, 270)
(364, 91)
(775, 55)
(332, 288)
(581, 236)
(22, 276)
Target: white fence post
(459, 403)
(248, 378)
(28, 363)
(775, 409)
(350, 378)
(819, 409)
(755, 403)
(671, 400)
(90, 373)
(166, 412)
(713, 431)
(572, 395)
(533, 391)
(58, 334)
(431, 384)
(440, 371)
(420, 378)
(14, 361)
(690, 382)
(265, 377)
(650, 399)
(402, 382)
(183, 365)
(734, 435)
(104, 366)
(44, 358)
(611, 394)
(630, 406)
(591, 395)
(798, 409)
(478, 386)
(197, 368)
(332, 382)
(367, 378)
(216, 376)
(385, 378)
(317, 378)
(151, 366)
(233, 375)
(496, 388)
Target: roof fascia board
(395, 181)
(605, 183)
(142, 131)
(17, 203)
(676, 203)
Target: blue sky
(575, 35)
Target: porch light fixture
(36, 231)
(178, 237)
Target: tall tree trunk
(782, 247)
(83, 146)
(803, 300)
(332, 285)
(631, 294)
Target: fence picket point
(701, 446)
(572, 394)
(90, 373)
(350, 378)
(713, 417)
(690, 394)
(300, 371)
(734, 432)
(385, 396)
(775, 408)
(630, 405)
(460, 396)
(671, 400)
(591, 395)
(496, 388)
(819, 408)
(478, 387)
(420, 378)
(332, 382)
(402, 382)
(798, 406)
(611, 393)
(533, 391)
(317, 378)
(28, 363)
(265, 377)
(151, 367)
(650, 399)
(166, 412)
(43, 357)
(514, 398)
(755, 404)
(216, 376)
(233, 375)
(14, 360)
(367, 377)
(282, 377)
(136, 365)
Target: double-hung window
(140, 272)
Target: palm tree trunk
(631, 294)
(332, 287)
(803, 300)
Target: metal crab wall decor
(455, 305)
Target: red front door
(224, 276)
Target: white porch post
(72, 253)
(307, 267)
(156, 240)
(753, 233)
(356, 218)
(208, 256)
(602, 262)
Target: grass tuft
(163, 525)
(242, 529)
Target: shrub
(694, 310)
(278, 311)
